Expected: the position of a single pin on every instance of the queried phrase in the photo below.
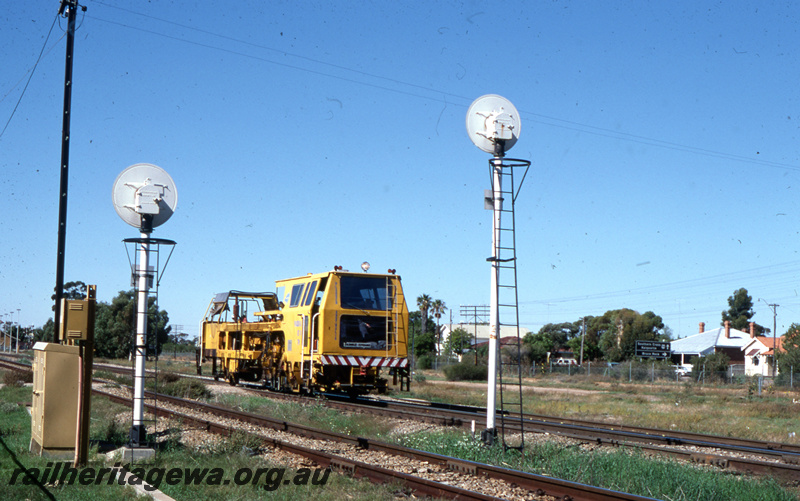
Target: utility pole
(583, 336)
(16, 349)
(451, 333)
(68, 8)
(774, 339)
(774, 335)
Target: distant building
(759, 356)
(721, 340)
(503, 341)
(6, 342)
(479, 333)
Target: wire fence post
(630, 371)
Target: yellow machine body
(333, 331)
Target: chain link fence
(650, 372)
(635, 372)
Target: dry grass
(727, 411)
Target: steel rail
(454, 415)
(778, 450)
(539, 484)
(785, 466)
(787, 459)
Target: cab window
(310, 293)
(297, 295)
(365, 293)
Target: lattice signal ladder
(510, 373)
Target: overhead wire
(698, 297)
(32, 71)
(258, 58)
(438, 95)
(742, 275)
(539, 118)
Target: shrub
(161, 382)
(17, 378)
(187, 388)
(168, 377)
(112, 431)
(7, 407)
(715, 366)
(172, 348)
(466, 371)
(425, 362)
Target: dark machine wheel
(233, 380)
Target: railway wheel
(233, 379)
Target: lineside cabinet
(54, 405)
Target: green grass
(15, 434)
(172, 384)
(235, 456)
(109, 423)
(627, 470)
(113, 376)
(313, 414)
(165, 363)
(671, 406)
(238, 452)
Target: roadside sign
(653, 349)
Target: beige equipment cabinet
(54, 409)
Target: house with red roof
(759, 356)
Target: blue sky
(304, 135)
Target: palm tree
(423, 303)
(438, 307)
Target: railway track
(537, 486)
(777, 460)
(756, 457)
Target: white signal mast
(493, 125)
(144, 196)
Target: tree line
(115, 323)
(610, 337)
